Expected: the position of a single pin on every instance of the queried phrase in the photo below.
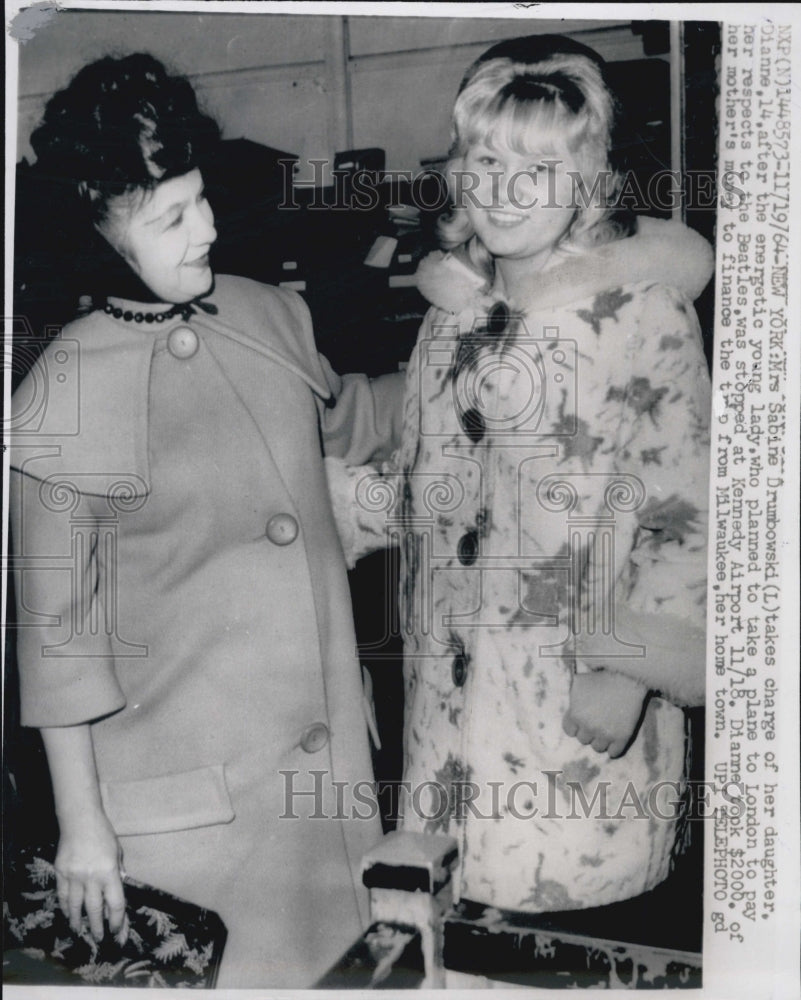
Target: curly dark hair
(122, 124)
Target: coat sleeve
(367, 498)
(360, 417)
(65, 600)
(664, 441)
(363, 423)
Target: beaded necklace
(182, 309)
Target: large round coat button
(459, 669)
(467, 548)
(282, 529)
(182, 342)
(314, 738)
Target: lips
(201, 263)
(505, 220)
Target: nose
(203, 230)
(523, 190)
(502, 190)
(503, 182)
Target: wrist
(79, 818)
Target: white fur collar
(666, 252)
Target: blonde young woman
(549, 497)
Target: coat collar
(666, 252)
(284, 347)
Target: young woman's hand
(605, 710)
(88, 875)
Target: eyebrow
(538, 155)
(177, 205)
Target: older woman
(186, 643)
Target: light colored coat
(563, 451)
(181, 586)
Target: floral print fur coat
(552, 476)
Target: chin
(500, 247)
(202, 286)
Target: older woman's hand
(88, 873)
(88, 857)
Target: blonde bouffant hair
(553, 106)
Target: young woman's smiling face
(165, 237)
(520, 205)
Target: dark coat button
(498, 318)
(282, 529)
(473, 424)
(182, 342)
(459, 669)
(314, 738)
(467, 548)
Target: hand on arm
(363, 499)
(88, 857)
(365, 426)
(364, 421)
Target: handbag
(164, 941)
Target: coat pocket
(169, 802)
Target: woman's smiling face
(165, 236)
(520, 205)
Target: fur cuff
(361, 497)
(674, 662)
